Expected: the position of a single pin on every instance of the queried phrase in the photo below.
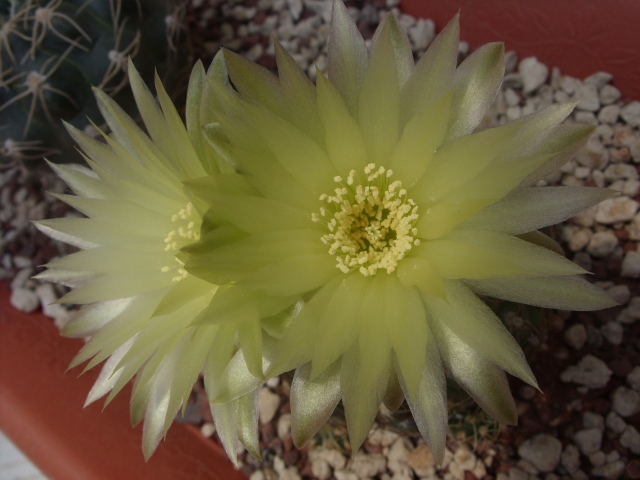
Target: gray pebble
(533, 73)
(612, 331)
(631, 114)
(616, 209)
(575, 336)
(626, 402)
(609, 114)
(631, 313)
(598, 79)
(422, 34)
(592, 420)
(597, 459)
(631, 265)
(590, 371)
(633, 378)
(588, 440)
(630, 438)
(615, 423)
(609, 94)
(543, 451)
(611, 470)
(569, 84)
(620, 293)
(602, 244)
(620, 171)
(588, 98)
(24, 300)
(570, 459)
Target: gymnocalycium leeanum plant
(343, 230)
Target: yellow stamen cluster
(187, 231)
(371, 223)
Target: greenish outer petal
(248, 422)
(225, 416)
(91, 318)
(347, 56)
(433, 74)
(565, 293)
(400, 46)
(528, 209)
(475, 324)
(235, 381)
(254, 81)
(108, 375)
(475, 85)
(393, 396)
(481, 378)
(429, 408)
(313, 401)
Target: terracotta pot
(581, 37)
(41, 411)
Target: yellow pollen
(186, 231)
(372, 225)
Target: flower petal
(429, 405)
(565, 293)
(313, 401)
(528, 209)
(347, 56)
(433, 74)
(475, 324)
(484, 254)
(475, 85)
(482, 379)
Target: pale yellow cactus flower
(139, 302)
(370, 204)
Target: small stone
(24, 300)
(533, 73)
(580, 239)
(516, 473)
(615, 423)
(609, 114)
(621, 171)
(320, 468)
(631, 114)
(588, 118)
(598, 79)
(268, 403)
(631, 313)
(569, 84)
(616, 209)
(630, 438)
(284, 426)
(592, 420)
(344, 475)
(634, 228)
(633, 469)
(631, 265)
(620, 293)
(570, 459)
(612, 331)
(609, 94)
(543, 451)
(611, 470)
(626, 402)
(422, 34)
(397, 457)
(364, 465)
(588, 98)
(586, 218)
(334, 458)
(421, 460)
(588, 440)
(597, 459)
(602, 244)
(633, 378)
(207, 429)
(257, 475)
(575, 336)
(590, 371)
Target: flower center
(186, 230)
(371, 221)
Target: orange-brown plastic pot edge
(41, 410)
(580, 37)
